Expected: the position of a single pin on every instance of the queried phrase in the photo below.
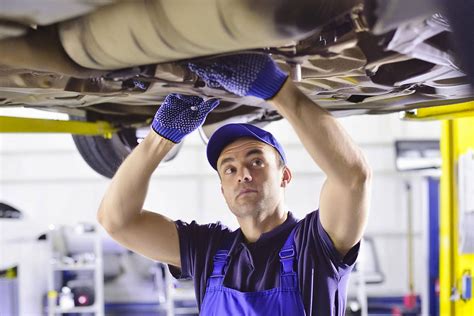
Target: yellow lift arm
(33, 125)
(443, 112)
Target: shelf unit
(77, 309)
(64, 241)
(73, 267)
(179, 294)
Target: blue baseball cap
(226, 134)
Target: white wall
(45, 177)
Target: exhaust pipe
(139, 32)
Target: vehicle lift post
(456, 266)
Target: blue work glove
(179, 115)
(245, 74)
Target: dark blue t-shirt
(256, 266)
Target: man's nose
(244, 175)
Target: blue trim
(133, 309)
(433, 251)
(389, 300)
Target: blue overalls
(284, 300)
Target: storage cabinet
(75, 266)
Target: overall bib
(283, 300)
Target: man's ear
(286, 179)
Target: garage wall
(45, 177)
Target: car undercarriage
(117, 60)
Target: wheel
(106, 155)
(103, 155)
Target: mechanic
(273, 264)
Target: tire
(105, 156)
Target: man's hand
(245, 74)
(179, 115)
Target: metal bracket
(358, 19)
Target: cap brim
(223, 137)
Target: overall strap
(288, 253)
(288, 276)
(220, 261)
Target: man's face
(252, 179)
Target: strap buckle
(221, 256)
(287, 253)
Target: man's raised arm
(120, 212)
(344, 199)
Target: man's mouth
(246, 191)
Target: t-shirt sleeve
(196, 245)
(342, 264)
(184, 232)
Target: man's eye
(228, 170)
(257, 163)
